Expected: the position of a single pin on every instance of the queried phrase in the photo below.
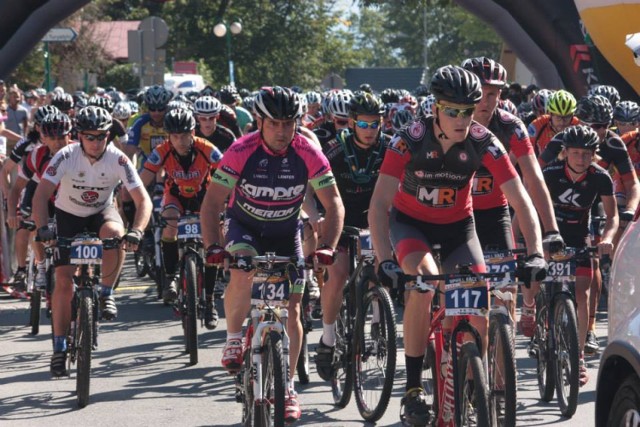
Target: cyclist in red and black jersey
(426, 174)
(575, 184)
(188, 162)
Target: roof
(112, 36)
(382, 78)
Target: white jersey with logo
(85, 188)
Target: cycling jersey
(434, 186)
(145, 135)
(541, 132)
(572, 201)
(85, 188)
(32, 169)
(611, 150)
(268, 188)
(326, 133)
(229, 120)
(513, 135)
(356, 171)
(24, 146)
(117, 130)
(187, 176)
(243, 116)
(221, 137)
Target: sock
(210, 276)
(170, 256)
(59, 344)
(329, 334)
(234, 336)
(414, 371)
(292, 385)
(106, 291)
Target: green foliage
(121, 76)
(29, 73)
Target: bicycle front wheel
(375, 352)
(190, 287)
(35, 305)
(545, 368)
(472, 392)
(342, 380)
(270, 412)
(502, 371)
(84, 344)
(567, 360)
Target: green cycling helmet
(561, 103)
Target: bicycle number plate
(86, 252)
(270, 288)
(497, 262)
(366, 245)
(466, 296)
(561, 269)
(189, 227)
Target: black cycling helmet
(278, 103)
(179, 120)
(490, 72)
(365, 103)
(157, 97)
(228, 95)
(62, 101)
(389, 96)
(455, 84)
(207, 91)
(421, 90)
(55, 124)
(401, 119)
(102, 102)
(626, 112)
(93, 118)
(365, 87)
(594, 109)
(44, 111)
(579, 136)
(609, 92)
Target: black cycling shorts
(494, 228)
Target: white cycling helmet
(207, 106)
(122, 110)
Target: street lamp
(220, 30)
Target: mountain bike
(37, 293)
(85, 252)
(148, 259)
(261, 382)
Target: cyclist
(427, 173)
(355, 157)
(609, 92)
(117, 133)
(207, 111)
(539, 102)
(266, 174)
(313, 117)
(338, 118)
(490, 206)
(626, 116)
(229, 97)
(188, 161)
(560, 108)
(575, 184)
(86, 175)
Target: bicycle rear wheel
(545, 368)
(34, 305)
(84, 343)
(342, 380)
(374, 364)
(429, 377)
(502, 371)
(189, 315)
(140, 264)
(270, 412)
(567, 377)
(472, 392)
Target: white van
(182, 83)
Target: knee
(111, 229)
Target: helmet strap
(441, 135)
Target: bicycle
(85, 252)
(555, 343)
(148, 259)
(466, 294)
(261, 381)
(35, 303)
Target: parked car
(618, 387)
(183, 83)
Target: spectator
(17, 115)
(3, 94)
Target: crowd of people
(466, 162)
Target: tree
(120, 76)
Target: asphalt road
(141, 376)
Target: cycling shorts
(493, 227)
(182, 204)
(458, 240)
(239, 237)
(69, 225)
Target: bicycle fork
(259, 329)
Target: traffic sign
(60, 35)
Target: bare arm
(537, 188)
(143, 208)
(212, 206)
(147, 177)
(7, 168)
(610, 226)
(383, 193)
(12, 201)
(334, 217)
(10, 135)
(521, 203)
(44, 191)
(633, 192)
(309, 207)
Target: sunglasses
(366, 125)
(92, 138)
(157, 110)
(340, 122)
(456, 112)
(597, 126)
